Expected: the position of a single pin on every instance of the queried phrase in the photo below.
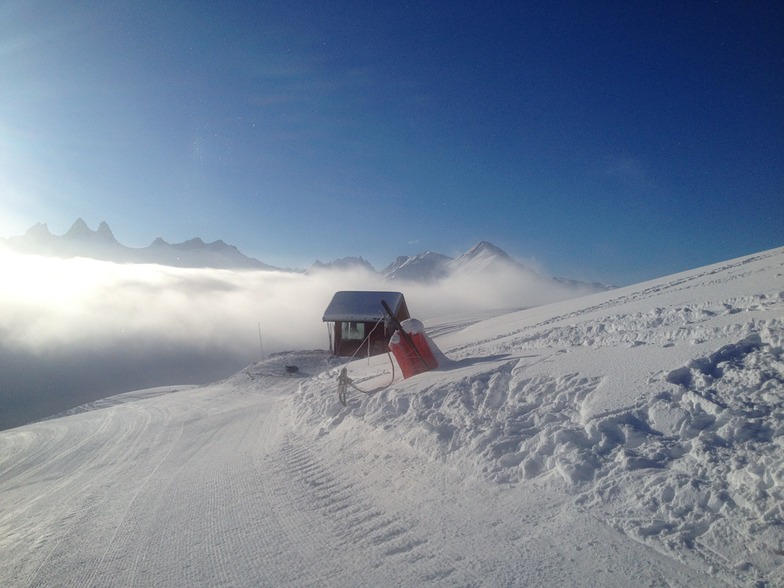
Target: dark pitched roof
(360, 306)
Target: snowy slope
(632, 436)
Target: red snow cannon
(411, 350)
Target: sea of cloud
(74, 330)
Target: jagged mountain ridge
(344, 263)
(81, 241)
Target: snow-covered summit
(485, 257)
(425, 266)
(486, 250)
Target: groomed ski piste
(633, 437)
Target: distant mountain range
(483, 259)
(81, 241)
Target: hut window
(353, 331)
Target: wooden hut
(357, 324)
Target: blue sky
(609, 141)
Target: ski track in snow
(635, 433)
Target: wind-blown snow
(633, 436)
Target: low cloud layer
(73, 330)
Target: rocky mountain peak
(78, 230)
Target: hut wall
(350, 337)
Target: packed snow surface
(632, 437)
